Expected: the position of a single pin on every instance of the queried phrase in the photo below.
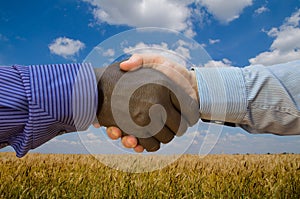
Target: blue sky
(233, 32)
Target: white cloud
(203, 45)
(226, 11)
(141, 47)
(189, 32)
(136, 13)
(64, 141)
(213, 64)
(227, 61)
(66, 47)
(178, 52)
(261, 10)
(294, 19)
(92, 136)
(109, 53)
(200, 15)
(174, 14)
(237, 137)
(286, 45)
(214, 41)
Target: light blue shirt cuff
(222, 94)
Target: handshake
(148, 105)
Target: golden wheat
(191, 176)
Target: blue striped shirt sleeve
(259, 99)
(13, 105)
(56, 99)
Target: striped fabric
(257, 98)
(13, 105)
(38, 103)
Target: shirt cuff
(222, 94)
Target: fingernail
(114, 133)
(139, 149)
(108, 130)
(131, 143)
(125, 142)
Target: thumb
(133, 63)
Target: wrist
(193, 81)
(98, 74)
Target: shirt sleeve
(257, 98)
(61, 99)
(13, 105)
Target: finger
(114, 133)
(139, 149)
(155, 61)
(134, 62)
(143, 60)
(164, 136)
(129, 141)
(150, 144)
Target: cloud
(141, 47)
(109, 53)
(286, 45)
(237, 137)
(136, 13)
(226, 11)
(92, 136)
(180, 15)
(214, 41)
(261, 10)
(64, 141)
(203, 45)
(199, 15)
(178, 52)
(66, 47)
(213, 64)
(235, 140)
(189, 32)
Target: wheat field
(191, 176)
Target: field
(213, 176)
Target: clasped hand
(156, 100)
